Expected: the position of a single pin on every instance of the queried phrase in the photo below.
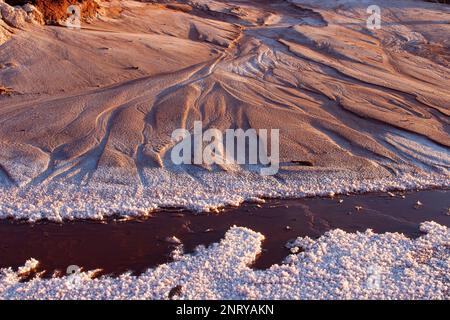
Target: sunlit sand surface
(89, 119)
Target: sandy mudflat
(87, 118)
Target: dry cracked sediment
(87, 132)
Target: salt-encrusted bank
(64, 193)
(338, 265)
(197, 190)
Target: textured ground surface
(338, 265)
(86, 115)
(86, 118)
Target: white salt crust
(198, 190)
(339, 265)
(112, 191)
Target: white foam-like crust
(338, 265)
(113, 191)
(200, 191)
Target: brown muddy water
(118, 246)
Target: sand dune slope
(86, 125)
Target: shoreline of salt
(206, 192)
(338, 265)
